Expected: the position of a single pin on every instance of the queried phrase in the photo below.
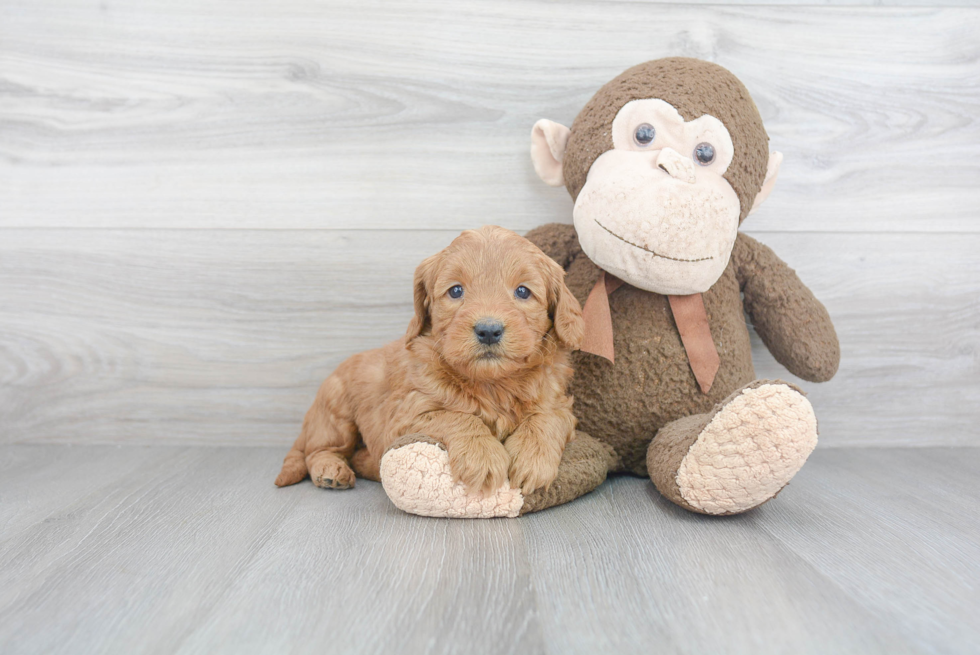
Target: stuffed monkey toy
(663, 165)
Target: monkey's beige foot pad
(418, 480)
(749, 450)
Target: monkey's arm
(557, 240)
(793, 324)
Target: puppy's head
(493, 303)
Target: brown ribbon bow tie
(689, 315)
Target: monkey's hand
(793, 324)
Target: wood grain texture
(899, 532)
(332, 146)
(394, 115)
(160, 545)
(205, 207)
(223, 337)
(658, 577)
(36, 480)
(350, 573)
(193, 550)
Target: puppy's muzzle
(488, 331)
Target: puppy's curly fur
(500, 408)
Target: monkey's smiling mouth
(655, 254)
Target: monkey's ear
(424, 275)
(548, 141)
(772, 171)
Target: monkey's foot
(417, 479)
(739, 456)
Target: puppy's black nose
(488, 331)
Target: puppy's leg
(536, 446)
(294, 466)
(331, 436)
(476, 457)
(366, 466)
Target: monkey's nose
(676, 165)
(488, 331)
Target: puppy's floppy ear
(566, 313)
(424, 279)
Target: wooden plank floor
(189, 549)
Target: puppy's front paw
(329, 471)
(533, 465)
(479, 463)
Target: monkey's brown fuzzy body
(624, 404)
(735, 446)
(664, 163)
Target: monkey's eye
(456, 291)
(704, 153)
(522, 292)
(644, 134)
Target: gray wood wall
(206, 205)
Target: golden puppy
(482, 369)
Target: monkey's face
(663, 162)
(656, 210)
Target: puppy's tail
(294, 466)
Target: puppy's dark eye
(644, 134)
(704, 153)
(456, 291)
(522, 292)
